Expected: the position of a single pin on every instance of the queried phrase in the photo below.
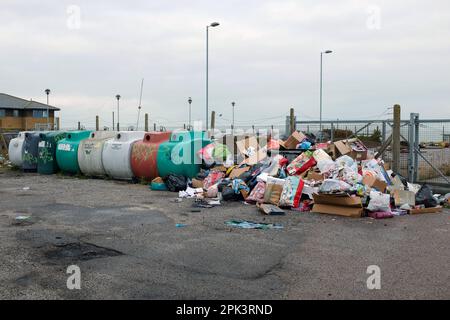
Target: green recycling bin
(67, 151)
(179, 155)
(47, 151)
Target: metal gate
(424, 155)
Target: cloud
(264, 55)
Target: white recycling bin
(116, 154)
(15, 149)
(90, 153)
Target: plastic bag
(257, 194)
(212, 191)
(212, 178)
(228, 194)
(326, 166)
(379, 202)
(176, 183)
(333, 185)
(425, 197)
(206, 154)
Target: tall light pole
(47, 92)
(214, 24)
(118, 125)
(232, 126)
(190, 102)
(321, 76)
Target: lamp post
(190, 102)
(232, 126)
(118, 125)
(214, 24)
(321, 76)
(47, 92)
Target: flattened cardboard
(270, 210)
(374, 182)
(426, 210)
(402, 197)
(292, 142)
(197, 183)
(244, 144)
(237, 172)
(338, 205)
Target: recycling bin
(30, 151)
(46, 162)
(16, 148)
(90, 153)
(67, 151)
(144, 154)
(117, 152)
(179, 154)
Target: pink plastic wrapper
(257, 194)
(212, 178)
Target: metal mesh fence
(433, 154)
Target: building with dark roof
(20, 114)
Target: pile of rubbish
(338, 178)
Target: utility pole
(118, 125)
(47, 92)
(213, 123)
(396, 140)
(114, 125)
(97, 126)
(190, 103)
(321, 81)
(146, 122)
(232, 126)
(214, 24)
(292, 121)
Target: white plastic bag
(379, 202)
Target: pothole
(79, 251)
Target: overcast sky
(265, 55)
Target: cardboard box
(341, 205)
(347, 147)
(292, 142)
(316, 176)
(249, 148)
(374, 182)
(402, 197)
(426, 210)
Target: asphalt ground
(125, 240)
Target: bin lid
(102, 134)
(156, 137)
(123, 136)
(77, 135)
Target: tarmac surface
(125, 240)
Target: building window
(39, 114)
(15, 113)
(2, 113)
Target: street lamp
(47, 92)
(321, 76)
(118, 125)
(232, 126)
(190, 102)
(214, 24)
